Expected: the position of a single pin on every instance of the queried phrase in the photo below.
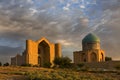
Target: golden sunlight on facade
(38, 53)
(91, 50)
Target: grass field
(34, 73)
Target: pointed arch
(93, 57)
(43, 52)
(43, 39)
(102, 57)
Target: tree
(108, 59)
(63, 62)
(80, 65)
(0, 64)
(6, 64)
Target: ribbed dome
(90, 38)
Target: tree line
(63, 62)
(5, 64)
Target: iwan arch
(38, 53)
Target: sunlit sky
(63, 21)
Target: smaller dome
(90, 38)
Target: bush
(80, 65)
(26, 65)
(36, 65)
(0, 64)
(63, 62)
(57, 61)
(108, 59)
(47, 65)
(6, 64)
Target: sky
(63, 21)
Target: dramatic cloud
(64, 21)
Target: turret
(57, 50)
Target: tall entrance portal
(43, 53)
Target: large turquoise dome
(90, 38)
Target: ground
(36, 73)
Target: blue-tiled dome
(90, 38)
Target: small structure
(91, 50)
(38, 53)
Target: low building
(91, 50)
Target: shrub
(6, 64)
(47, 65)
(36, 65)
(108, 59)
(26, 65)
(57, 61)
(63, 62)
(0, 64)
(80, 65)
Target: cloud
(65, 43)
(67, 7)
(109, 31)
(7, 52)
(82, 6)
(28, 19)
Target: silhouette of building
(91, 50)
(38, 53)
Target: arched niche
(43, 53)
(93, 57)
(102, 57)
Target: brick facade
(38, 53)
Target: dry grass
(32, 73)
